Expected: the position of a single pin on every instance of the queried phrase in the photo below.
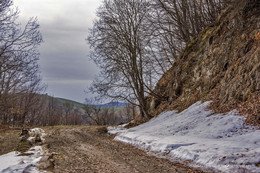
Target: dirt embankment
(221, 64)
(90, 149)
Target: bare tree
(68, 111)
(76, 118)
(120, 39)
(93, 113)
(134, 42)
(19, 71)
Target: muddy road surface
(90, 149)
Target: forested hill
(221, 64)
(111, 105)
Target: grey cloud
(63, 71)
(64, 61)
(74, 90)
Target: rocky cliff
(221, 64)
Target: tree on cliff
(176, 22)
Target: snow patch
(116, 129)
(218, 141)
(14, 163)
(36, 134)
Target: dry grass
(249, 108)
(9, 139)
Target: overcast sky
(64, 25)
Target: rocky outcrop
(221, 64)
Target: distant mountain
(64, 111)
(76, 105)
(111, 105)
(61, 103)
(63, 100)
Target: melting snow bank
(36, 157)
(221, 142)
(13, 162)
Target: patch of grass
(23, 146)
(8, 140)
(58, 127)
(102, 130)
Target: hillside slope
(62, 101)
(221, 64)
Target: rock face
(221, 64)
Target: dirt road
(90, 149)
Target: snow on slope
(221, 142)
